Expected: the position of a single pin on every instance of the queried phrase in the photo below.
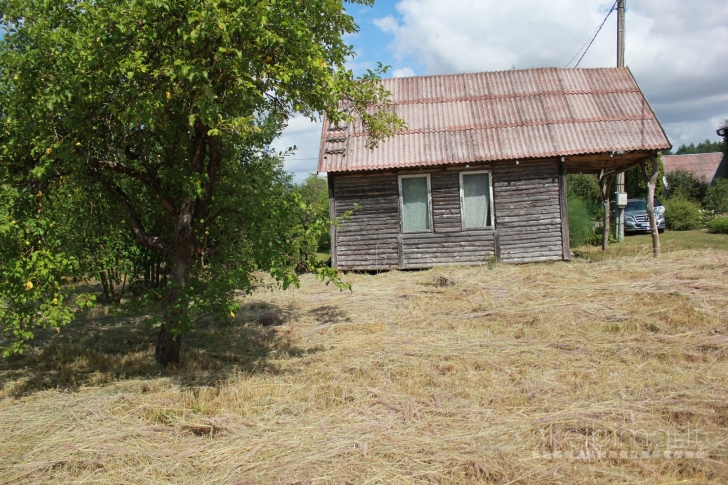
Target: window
(475, 200)
(414, 193)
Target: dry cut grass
(608, 371)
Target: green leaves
(32, 270)
(139, 119)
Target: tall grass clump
(682, 214)
(719, 225)
(581, 224)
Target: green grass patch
(676, 240)
(669, 241)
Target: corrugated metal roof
(504, 115)
(706, 166)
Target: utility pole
(620, 63)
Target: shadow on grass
(104, 349)
(327, 315)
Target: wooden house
(480, 170)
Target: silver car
(636, 218)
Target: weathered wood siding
(528, 211)
(526, 207)
(445, 186)
(368, 240)
(428, 250)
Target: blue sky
(372, 44)
(676, 49)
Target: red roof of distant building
(505, 115)
(706, 166)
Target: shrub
(684, 185)
(706, 216)
(682, 214)
(719, 225)
(716, 197)
(585, 187)
(581, 224)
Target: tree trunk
(606, 192)
(181, 261)
(177, 273)
(651, 181)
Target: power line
(592, 38)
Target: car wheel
(660, 230)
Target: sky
(676, 49)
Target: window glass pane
(415, 204)
(475, 200)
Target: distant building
(723, 130)
(704, 166)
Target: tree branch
(137, 228)
(145, 177)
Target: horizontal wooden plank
(356, 229)
(453, 245)
(509, 221)
(522, 211)
(520, 190)
(530, 228)
(517, 195)
(364, 219)
(532, 254)
(537, 259)
(361, 235)
(452, 259)
(459, 237)
(537, 236)
(550, 248)
(530, 201)
(381, 246)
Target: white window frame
(491, 212)
(429, 204)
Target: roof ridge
(547, 68)
(692, 154)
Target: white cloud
(305, 135)
(387, 24)
(676, 49)
(403, 72)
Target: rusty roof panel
(500, 116)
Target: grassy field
(675, 240)
(608, 369)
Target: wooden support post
(606, 183)
(564, 211)
(332, 216)
(651, 181)
(496, 247)
(400, 252)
